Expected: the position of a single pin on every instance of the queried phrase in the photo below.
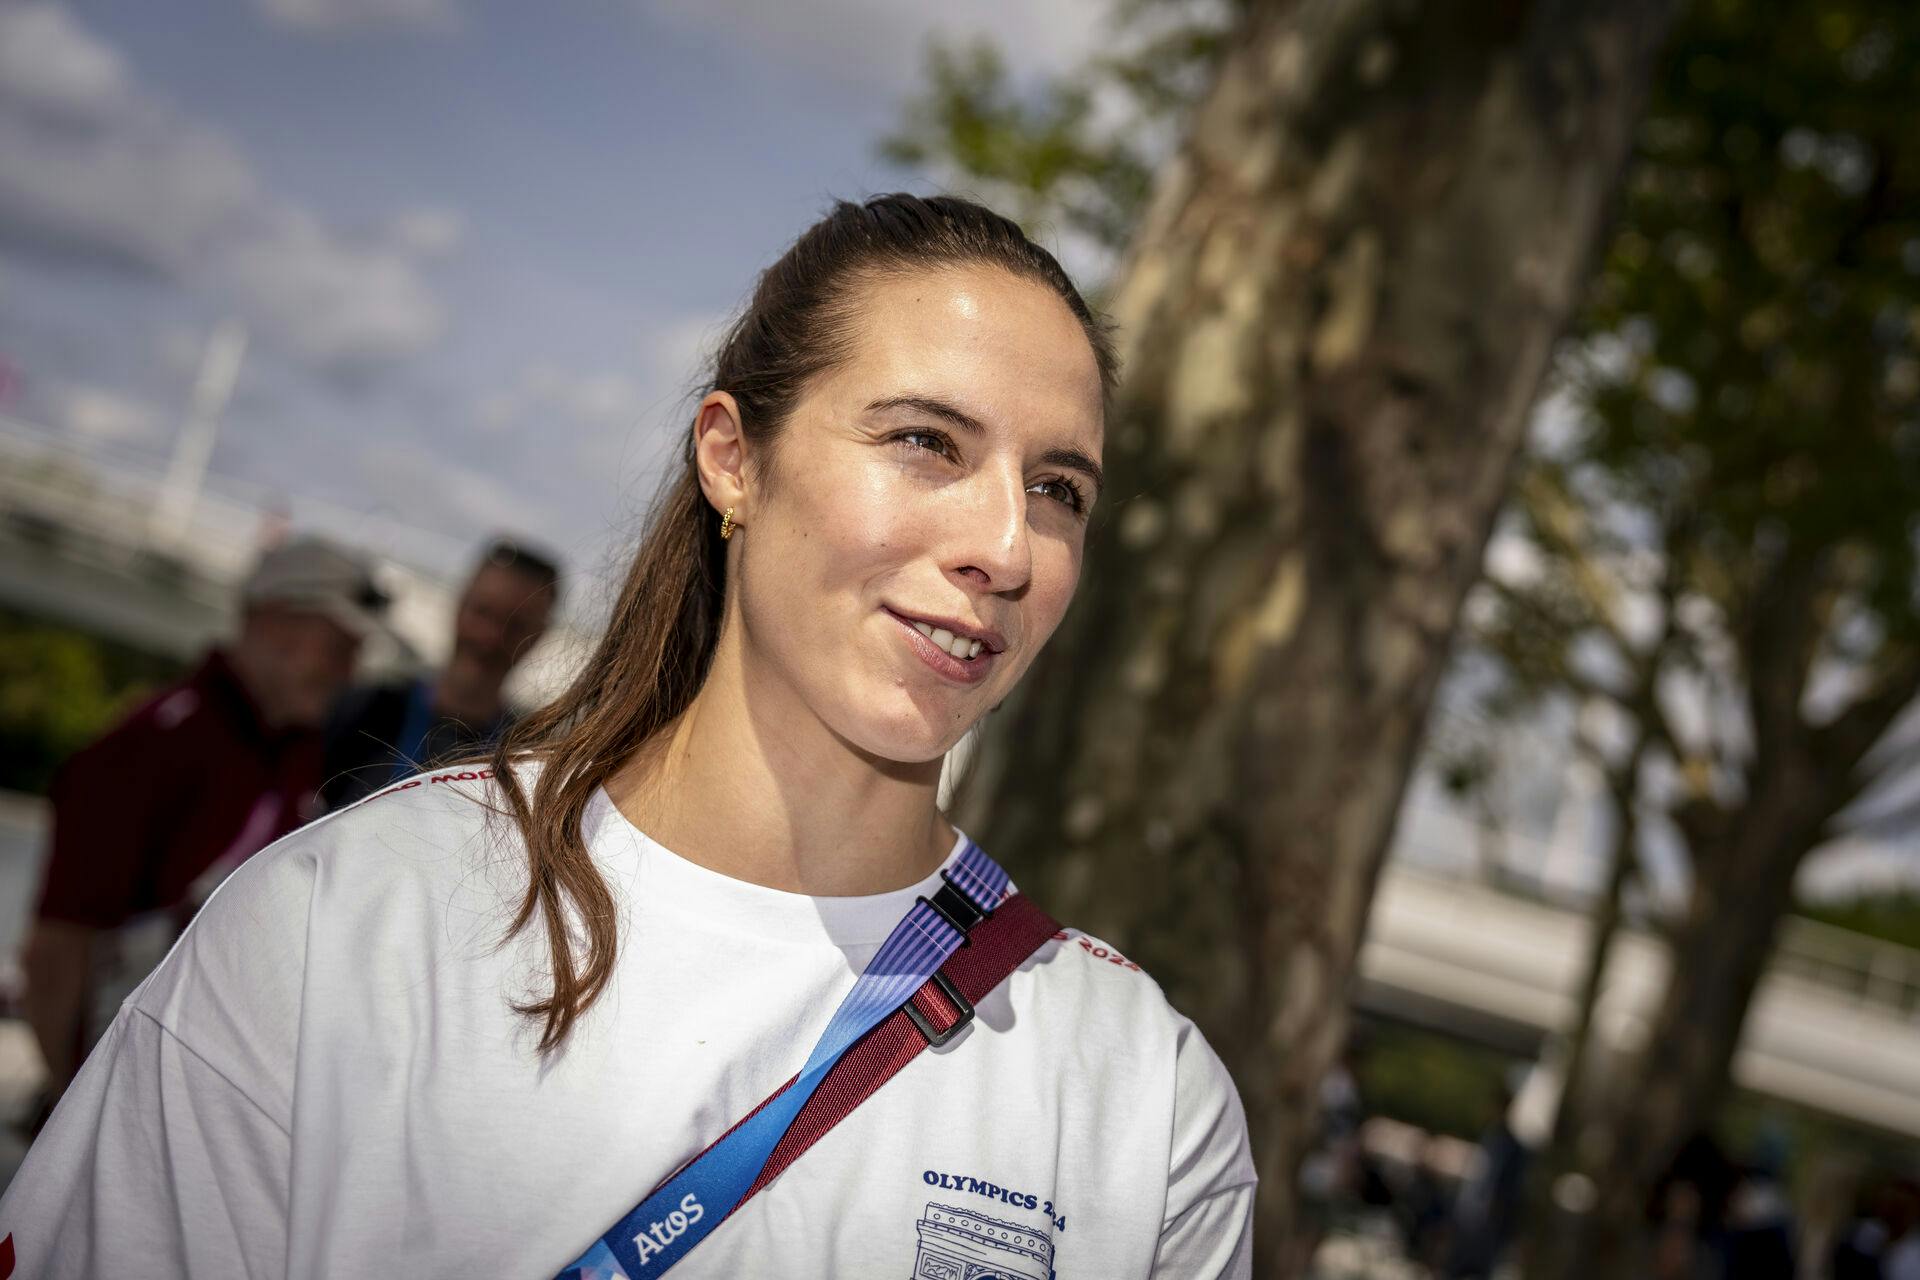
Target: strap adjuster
(951, 904)
(936, 1038)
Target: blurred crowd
(1385, 1198)
(267, 732)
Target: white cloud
(428, 232)
(337, 16)
(602, 400)
(882, 42)
(436, 490)
(334, 301)
(93, 166)
(106, 416)
(672, 357)
(51, 65)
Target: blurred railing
(113, 494)
(1865, 970)
(1871, 971)
(1833, 1025)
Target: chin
(908, 736)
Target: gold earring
(726, 525)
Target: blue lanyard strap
(664, 1227)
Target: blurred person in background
(1486, 1213)
(151, 817)
(1425, 1207)
(1762, 1233)
(1902, 1258)
(1330, 1175)
(381, 733)
(1687, 1213)
(1878, 1221)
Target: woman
(463, 1027)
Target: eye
(927, 440)
(1064, 491)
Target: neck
(464, 692)
(750, 784)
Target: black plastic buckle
(956, 908)
(960, 1002)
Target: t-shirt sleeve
(1208, 1229)
(170, 1154)
(154, 1164)
(108, 808)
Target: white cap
(312, 574)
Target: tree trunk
(1718, 956)
(1544, 1248)
(1335, 319)
(1622, 862)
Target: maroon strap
(997, 946)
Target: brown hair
(654, 654)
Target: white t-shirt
(326, 1078)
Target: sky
(478, 247)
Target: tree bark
(1334, 320)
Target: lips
(962, 670)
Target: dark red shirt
(191, 778)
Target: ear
(720, 454)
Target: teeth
(958, 646)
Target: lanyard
(664, 1227)
(413, 731)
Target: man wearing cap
(149, 818)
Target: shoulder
(1114, 1006)
(431, 829)
(353, 892)
(1110, 996)
(417, 841)
(1118, 1016)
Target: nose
(993, 552)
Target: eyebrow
(1078, 459)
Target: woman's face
(938, 480)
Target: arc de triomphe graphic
(957, 1244)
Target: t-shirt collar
(665, 880)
